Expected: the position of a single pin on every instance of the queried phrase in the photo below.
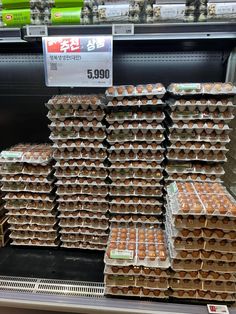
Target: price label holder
(36, 30)
(78, 61)
(217, 309)
(122, 29)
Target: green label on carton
(15, 4)
(173, 188)
(122, 254)
(16, 17)
(69, 3)
(66, 16)
(188, 87)
(10, 154)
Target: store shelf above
(167, 31)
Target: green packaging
(69, 3)
(65, 16)
(12, 18)
(15, 4)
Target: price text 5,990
(98, 74)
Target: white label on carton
(115, 2)
(217, 309)
(122, 254)
(36, 30)
(225, 8)
(172, 11)
(122, 29)
(11, 154)
(113, 11)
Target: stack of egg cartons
(27, 181)
(199, 115)
(200, 224)
(135, 135)
(78, 134)
(4, 232)
(137, 262)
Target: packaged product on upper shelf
(28, 183)
(221, 10)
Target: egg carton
(132, 156)
(217, 128)
(85, 155)
(31, 212)
(27, 179)
(32, 242)
(25, 204)
(131, 209)
(147, 138)
(33, 228)
(194, 168)
(134, 130)
(77, 146)
(137, 271)
(148, 90)
(83, 214)
(83, 231)
(82, 198)
(157, 13)
(137, 281)
(75, 124)
(136, 218)
(44, 221)
(139, 191)
(135, 201)
(185, 137)
(131, 146)
(203, 295)
(29, 196)
(190, 177)
(21, 169)
(71, 211)
(188, 117)
(136, 183)
(190, 105)
(75, 101)
(86, 246)
(75, 164)
(137, 292)
(218, 266)
(34, 235)
(94, 205)
(81, 173)
(72, 131)
(182, 89)
(36, 188)
(122, 117)
(85, 238)
(197, 147)
(186, 284)
(91, 134)
(202, 275)
(102, 190)
(87, 222)
(116, 174)
(61, 116)
(219, 10)
(194, 156)
(135, 166)
(82, 182)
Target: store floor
(78, 265)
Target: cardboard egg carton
(84, 231)
(79, 163)
(201, 105)
(85, 189)
(184, 137)
(198, 127)
(148, 90)
(81, 173)
(137, 271)
(136, 165)
(29, 196)
(218, 266)
(82, 214)
(84, 245)
(79, 181)
(189, 177)
(122, 117)
(76, 146)
(197, 147)
(26, 204)
(34, 235)
(136, 191)
(83, 198)
(100, 207)
(75, 101)
(31, 212)
(147, 137)
(73, 238)
(25, 169)
(36, 242)
(90, 154)
(202, 155)
(32, 187)
(135, 209)
(25, 220)
(194, 168)
(129, 200)
(27, 178)
(75, 135)
(33, 227)
(183, 89)
(77, 124)
(136, 183)
(92, 223)
(215, 117)
(69, 131)
(136, 156)
(137, 292)
(203, 295)
(136, 174)
(69, 113)
(135, 128)
(135, 218)
(135, 147)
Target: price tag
(78, 61)
(217, 309)
(122, 29)
(36, 30)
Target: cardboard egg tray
(135, 201)
(82, 134)
(84, 231)
(23, 235)
(36, 242)
(33, 227)
(29, 196)
(136, 146)
(148, 137)
(136, 183)
(85, 222)
(82, 214)
(184, 89)
(83, 206)
(83, 198)
(137, 271)
(142, 128)
(75, 124)
(210, 155)
(25, 220)
(80, 173)
(33, 187)
(188, 117)
(79, 181)
(135, 218)
(197, 147)
(27, 153)
(92, 239)
(139, 156)
(25, 169)
(27, 178)
(84, 245)
(83, 155)
(79, 163)
(198, 127)
(184, 137)
(203, 295)
(189, 106)
(29, 212)
(89, 189)
(148, 90)
(122, 117)
(136, 174)
(71, 147)
(136, 165)
(196, 168)
(75, 101)
(189, 177)
(203, 275)
(136, 281)
(89, 114)
(136, 191)
(135, 209)
(24, 204)
(137, 292)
